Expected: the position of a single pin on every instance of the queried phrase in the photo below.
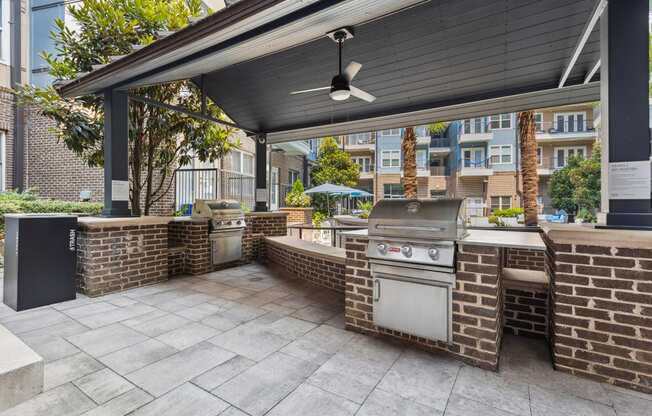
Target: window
(3, 162)
(236, 161)
(563, 154)
(538, 122)
(392, 190)
(241, 162)
(391, 132)
(364, 163)
(570, 122)
(474, 125)
(539, 156)
(500, 202)
(422, 131)
(501, 121)
(501, 155)
(473, 206)
(247, 164)
(293, 176)
(391, 158)
(359, 138)
(473, 157)
(422, 159)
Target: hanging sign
(119, 190)
(261, 194)
(629, 180)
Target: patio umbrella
(329, 188)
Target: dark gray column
(625, 99)
(116, 154)
(16, 82)
(261, 174)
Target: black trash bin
(40, 259)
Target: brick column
(192, 235)
(477, 303)
(601, 295)
(259, 226)
(298, 215)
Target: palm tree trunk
(409, 148)
(529, 166)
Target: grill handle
(377, 290)
(408, 227)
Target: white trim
(565, 115)
(592, 72)
(566, 149)
(540, 161)
(390, 132)
(500, 147)
(500, 121)
(390, 158)
(5, 36)
(359, 160)
(3, 168)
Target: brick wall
(192, 235)
(7, 109)
(526, 310)
(259, 226)
(521, 258)
(119, 256)
(307, 261)
(477, 303)
(176, 260)
(602, 309)
(298, 215)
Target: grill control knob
(433, 253)
(382, 248)
(239, 222)
(407, 250)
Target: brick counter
(601, 292)
(477, 303)
(115, 254)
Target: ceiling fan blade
(310, 90)
(357, 92)
(351, 70)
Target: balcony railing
(439, 171)
(566, 127)
(360, 141)
(192, 184)
(476, 164)
(440, 142)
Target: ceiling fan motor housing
(340, 88)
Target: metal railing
(440, 142)
(476, 164)
(439, 171)
(191, 184)
(566, 127)
(333, 232)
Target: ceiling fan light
(340, 95)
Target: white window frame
(538, 125)
(293, 171)
(501, 198)
(390, 158)
(500, 154)
(362, 162)
(424, 156)
(3, 158)
(5, 33)
(241, 170)
(566, 157)
(475, 163)
(472, 126)
(359, 138)
(390, 132)
(501, 119)
(390, 195)
(539, 156)
(565, 116)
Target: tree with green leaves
(577, 185)
(334, 165)
(159, 139)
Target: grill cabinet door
(226, 246)
(412, 308)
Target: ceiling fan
(341, 88)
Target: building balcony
(423, 140)
(367, 174)
(476, 137)
(550, 165)
(439, 171)
(440, 146)
(576, 131)
(296, 148)
(473, 168)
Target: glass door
(273, 203)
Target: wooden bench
(21, 371)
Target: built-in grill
(411, 253)
(226, 226)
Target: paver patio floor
(252, 341)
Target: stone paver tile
(462, 406)
(337, 321)
(290, 328)
(380, 403)
(546, 402)
(250, 341)
(65, 400)
(48, 342)
(294, 301)
(103, 385)
(194, 299)
(320, 344)
(233, 411)
(219, 322)
(260, 299)
(199, 312)
(137, 356)
(162, 376)
(120, 300)
(107, 339)
(123, 404)
(259, 388)
(27, 321)
(90, 309)
(422, 378)
(161, 297)
(74, 303)
(243, 313)
(309, 400)
(132, 322)
(187, 335)
(236, 293)
(68, 369)
(488, 388)
(141, 292)
(186, 400)
(160, 325)
(630, 405)
(110, 317)
(222, 373)
(315, 314)
(273, 307)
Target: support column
(624, 96)
(261, 174)
(116, 154)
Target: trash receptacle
(40, 259)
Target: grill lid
(216, 208)
(437, 219)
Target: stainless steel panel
(440, 253)
(422, 274)
(226, 246)
(412, 308)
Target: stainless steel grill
(411, 252)
(227, 224)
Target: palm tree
(529, 165)
(409, 150)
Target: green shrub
(296, 198)
(508, 212)
(586, 216)
(495, 219)
(365, 207)
(318, 218)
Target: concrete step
(21, 371)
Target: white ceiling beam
(592, 72)
(584, 37)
